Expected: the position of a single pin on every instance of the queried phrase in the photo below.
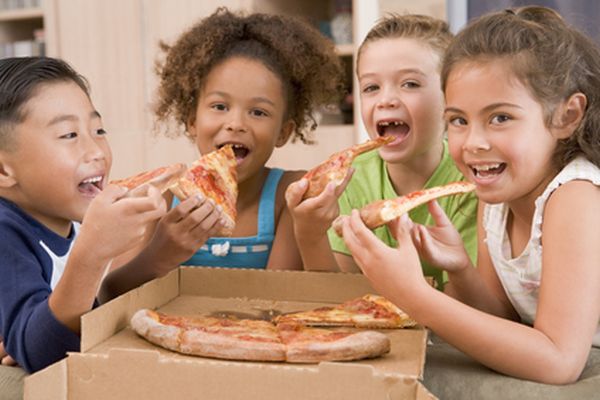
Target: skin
(399, 81)
(499, 125)
(246, 109)
(60, 144)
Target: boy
(54, 166)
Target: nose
(93, 147)
(476, 140)
(236, 122)
(388, 99)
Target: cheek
(455, 144)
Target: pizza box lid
(115, 363)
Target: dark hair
(552, 59)
(432, 31)
(303, 59)
(20, 77)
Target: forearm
(141, 269)
(468, 287)
(76, 291)
(317, 255)
(503, 345)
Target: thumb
(295, 191)
(400, 228)
(114, 192)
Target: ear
(287, 129)
(7, 176)
(190, 127)
(569, 114)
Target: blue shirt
(244, 252)
(32, 261)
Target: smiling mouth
(91, 186)
(488, 170)
(394, 127)
(239, 150)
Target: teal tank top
(244, 252)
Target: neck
(250, 189)
(406, 177)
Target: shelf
(21, 14)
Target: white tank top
(521, 276)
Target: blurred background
(114, 44)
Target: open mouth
(395, 128)
(488, 170)
(91, 186)
(239, 150)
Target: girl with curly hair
(250, 81)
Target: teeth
(483, 168)
(95, 179)
(388, 123)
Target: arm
(111, 226)
(285, 253)
(176, 238)
(550, 351)
(312, 218)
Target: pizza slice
(336, 167)
(225, 338)
(163, 178)
(213, 176)
(369, 311)
(381, 212)
(312, 345)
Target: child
(523, 117)
(398, 70)
(54, 165)
(252, 81)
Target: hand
(5, 359)
(313, 216)
(114, 224)
(183, 230)
(394, 272)
(440, 245)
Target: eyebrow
(402, 71)
(70, 117)
(256, 99)
(485, 110)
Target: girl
(398, 70)
(251, 81)
(523, 126)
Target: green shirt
(371, 182)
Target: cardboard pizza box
(115, 363)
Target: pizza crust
(357, 346)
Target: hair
(550, 58)
(432, 31)
(20, 79)
(302, 58)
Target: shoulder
(287, 178)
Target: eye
(219, 107)
(500, 118)
(370, 88)
(257, 112)
(456, 121)
(101, 132)
(411, 85)
(70, 135)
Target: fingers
(339, 189)
(5, 359)
(438, 214)
(401, 228)
(295, 191)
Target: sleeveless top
(521, 276)
(244, 252)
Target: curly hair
(552, 59)
(303, 59)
